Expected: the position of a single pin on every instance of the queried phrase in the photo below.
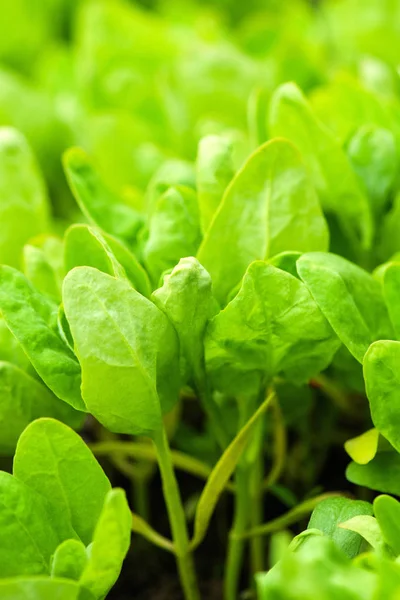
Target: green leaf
(27, 536)
(40, 272)
(187, 300)
(38, 588)
(88, 247)
(316, 569)
(174, 230)
(291, 116)
(272, 327)
(269, 207)
(69, 560)
(127, 349)
(133, 269)
(214, 171)
(373, 155)
(32, 318)
(391, 293)
(24, 399)
(368, 528)
(328, 515)
(171, 173)
(381, 474)
(222, 472)
(382, 383)
(111, 542)
(99, 204)
(24, 210)
(350, 298)
(363, 448)
(387, 513)
(54, 461)
(85, 246)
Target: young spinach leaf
(349, 297)
(269, 207)
(55, 462)
(127, 348)
(32, 318)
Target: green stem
(256, 513)
(176, 517)
(140, 493)
(236, 545)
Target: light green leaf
(89, 247)
(222, 472)
(391, 293)
(214, 171)
(382, 383)
(350, 298)
(69, 560)
(387, 513)
(291, 116)
(363, 448)
(381, 474)
(27, 536)
(133, 269)
(269, 207)
(368, 528)
(85, 246)
(373, 155)
(127, 349)
(24, 210)
(174, 230)
(38, 588)
(40, 272)
(24, 399)
(32, 318)
(187, 300)
(99, 204)
(111, 542)
(172, 173)
(54, 461)
(331, 512)
(272, 327)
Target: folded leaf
(24, 399)
(55, 462)
(110, 545)
(27, 536)
(269, 207)
(291, 116)
(127, 349)
(32, 318)
(350, 298)
(187, 300)
(174, 230)
(69, 560)
(272, 327)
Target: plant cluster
(216, 241)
